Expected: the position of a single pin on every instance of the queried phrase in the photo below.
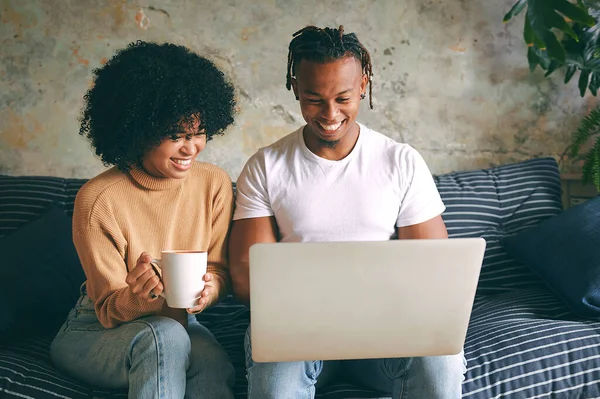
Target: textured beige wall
(450, 78)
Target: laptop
(361, 300)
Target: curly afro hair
(146, 93)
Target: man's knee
(434, 376)
(280, 379)
(394, 374)
(451, 367)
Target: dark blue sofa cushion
(40, 276)
(565, 252)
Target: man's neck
(333, 151)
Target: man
(336, 180)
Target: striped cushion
(497, 202)
(526, 344)
(24, 198)
(26, 371)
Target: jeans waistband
(84, 300)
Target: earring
(362, 96)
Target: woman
(151, 110)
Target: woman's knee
(160, 338)
(208, 356)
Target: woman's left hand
(209, 295)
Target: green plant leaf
(593, 8)
(578, 48)
(591, 166)
(554, 65)
(532, 58)
(530, 37)
(584, 78)
(536, 56)
(554, 48)
(587, 168)
(571, 69)
(516, 9)
(574, 12)
(595, 83)
(583, 54)
(588, 127)
(543, 17)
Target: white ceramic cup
(182, 277)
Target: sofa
(523, 340)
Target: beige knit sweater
(118, 216)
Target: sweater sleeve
(101, 248)
(221, 222)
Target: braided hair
(324, 45)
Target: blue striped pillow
(25, 198)
(498, 202)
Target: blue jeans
(434, 377)
(153, 357)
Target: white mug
(182, 277)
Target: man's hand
(209, 295)
(143, 280)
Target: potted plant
(561, 34)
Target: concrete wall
(450, 77)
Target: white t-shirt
(381, 184)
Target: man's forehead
(345, 72)
(347, 62)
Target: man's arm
(245, 233)
(432, 228)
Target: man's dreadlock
(325, 45)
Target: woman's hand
(209, 295)
(143, 280)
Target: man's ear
(363, 84)
(295, 88)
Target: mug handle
(157, 262)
